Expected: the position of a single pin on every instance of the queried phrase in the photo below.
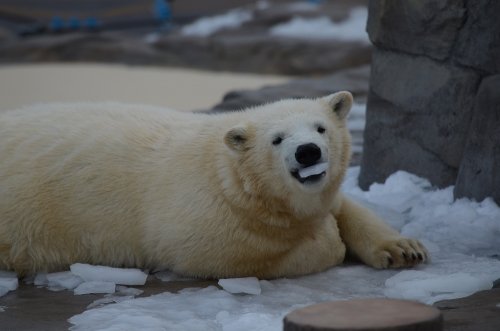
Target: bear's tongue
(313, 170)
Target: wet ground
(31, 308)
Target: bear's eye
(321, 129)
(277, 141)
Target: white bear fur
(205, 195)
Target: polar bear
(245, 193)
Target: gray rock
(389, 147)
(247, 48)
(478, 175)
(354, 80)
(256, 51)
(478, 44)
(427, 27)
(418, 115)
(97, 47)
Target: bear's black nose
(308, 154)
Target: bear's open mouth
(310, 174)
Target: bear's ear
(340, 103)
(238, 138)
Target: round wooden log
(365, 315)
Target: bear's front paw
(399, 253)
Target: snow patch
(323, 28)
(207, 26)
(247, 285)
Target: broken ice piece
(41, 279)
(129, 291)
(313, 170)
(8, 280)
(66, 280)
(169, 276)
(95, 287)
(121, 276)
(248, 285)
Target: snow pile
(206, 26)
(8, 282)
(323, 28)
(462, 236)
(247, 285)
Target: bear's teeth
(313, 170)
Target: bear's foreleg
(322, 250)
(373, 241)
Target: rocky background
(434, 104)
(249, 47)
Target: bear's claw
(399, 253)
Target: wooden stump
(365, 315)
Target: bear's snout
(308, 154)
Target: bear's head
(293, 152)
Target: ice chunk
(8, 281)
(7, 274)
(65, 280)
(107, 274)
(95, 287)
(128, 291)
(248, 285)
(169, 276)
(3, 291)
(41, 279)
(313, 170)
(429, 288)
(109, 298)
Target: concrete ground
(37, 309)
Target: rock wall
(434, 101)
